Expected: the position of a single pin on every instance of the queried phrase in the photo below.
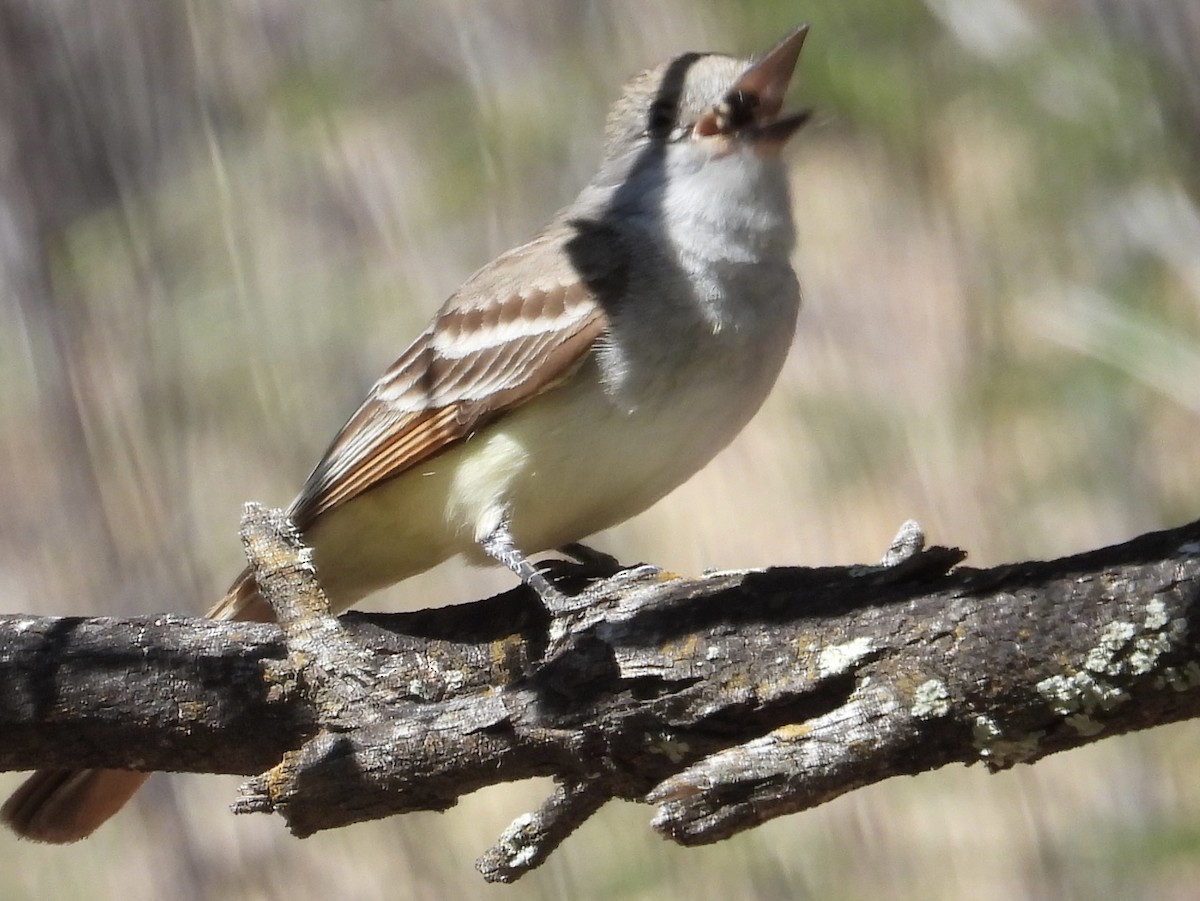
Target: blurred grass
(1000, 338)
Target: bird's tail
(62, 806)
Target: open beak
(769, 78)
(752, 107)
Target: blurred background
(219, 222)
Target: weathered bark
(724, 701)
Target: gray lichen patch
(1105, 657)
(931, 700)
(1124, 649)
(1156, 615)
(1146, 651)
(517, 842)
(1081, 692)
(840, 658)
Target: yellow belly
(567, 464)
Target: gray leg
(499, 545)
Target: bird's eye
(737, 110)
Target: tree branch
(725, 701)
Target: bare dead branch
(724, 701)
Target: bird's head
(711, 104)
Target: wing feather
(487, 351)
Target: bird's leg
(500, 546)
(569, 616)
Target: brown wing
(511, 332)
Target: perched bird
(569, 384)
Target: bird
(567, 385)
